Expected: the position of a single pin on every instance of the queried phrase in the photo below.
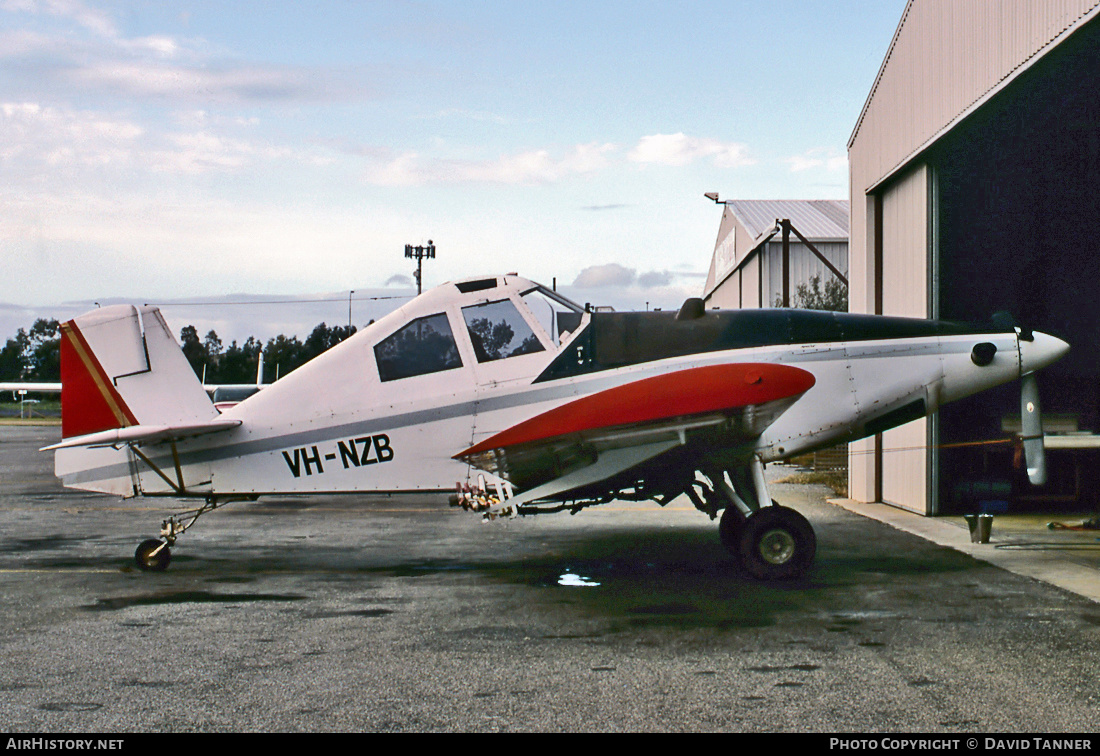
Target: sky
(182, 152)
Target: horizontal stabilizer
(145, 434)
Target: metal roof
(817, 220)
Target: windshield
(557, 315)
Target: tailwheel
(153, 555)
(777, 543)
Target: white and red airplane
(527, 403)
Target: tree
(323, 338)
(193, 349)
(284, 354)
(810, 296)
(238, 363)
(213, 346)
(490, 338)
(13, 363)
(35, 355)
(42, 359)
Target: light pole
(418, 253)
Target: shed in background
(746, 269)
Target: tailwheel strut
(153, 554)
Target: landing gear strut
(770, 541)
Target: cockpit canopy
(489, 319)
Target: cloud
(38, 142)
(612, 274)
(619, 276)
(655, 278)
(532, 167)
(830, 159)
(96, 58)
(679, 150)
(91, 19)
(32, 134)
(541, 166)
(609, 206)
(144, 79)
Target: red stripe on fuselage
(89, 401)
(684, 393)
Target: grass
(30, 421)
(836, 479)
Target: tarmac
(1061, 549)
(388, 614)
(1057, 549)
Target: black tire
(777, 543)
(149, 561)
(729, 529)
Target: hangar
(759, 240)
(975, 189)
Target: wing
(37, 388)
(602, 434)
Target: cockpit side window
(498, 331)
(425, 345)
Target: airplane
(31, 387)
(518, 401)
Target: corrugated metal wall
(804, 265)
(946, 58)
(905, 463)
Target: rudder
(121, 366)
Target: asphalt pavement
(391, 614)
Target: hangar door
(902, 249)
(1017, 205)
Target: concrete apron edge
(1046, 566)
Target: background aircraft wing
(602, 434)
(44, 388)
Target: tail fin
(120, 367)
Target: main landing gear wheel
(729, 529)
(776, 543)
(153, 555)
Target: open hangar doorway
(1016, 228)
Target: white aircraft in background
(523, 402)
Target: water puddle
(572, 579)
